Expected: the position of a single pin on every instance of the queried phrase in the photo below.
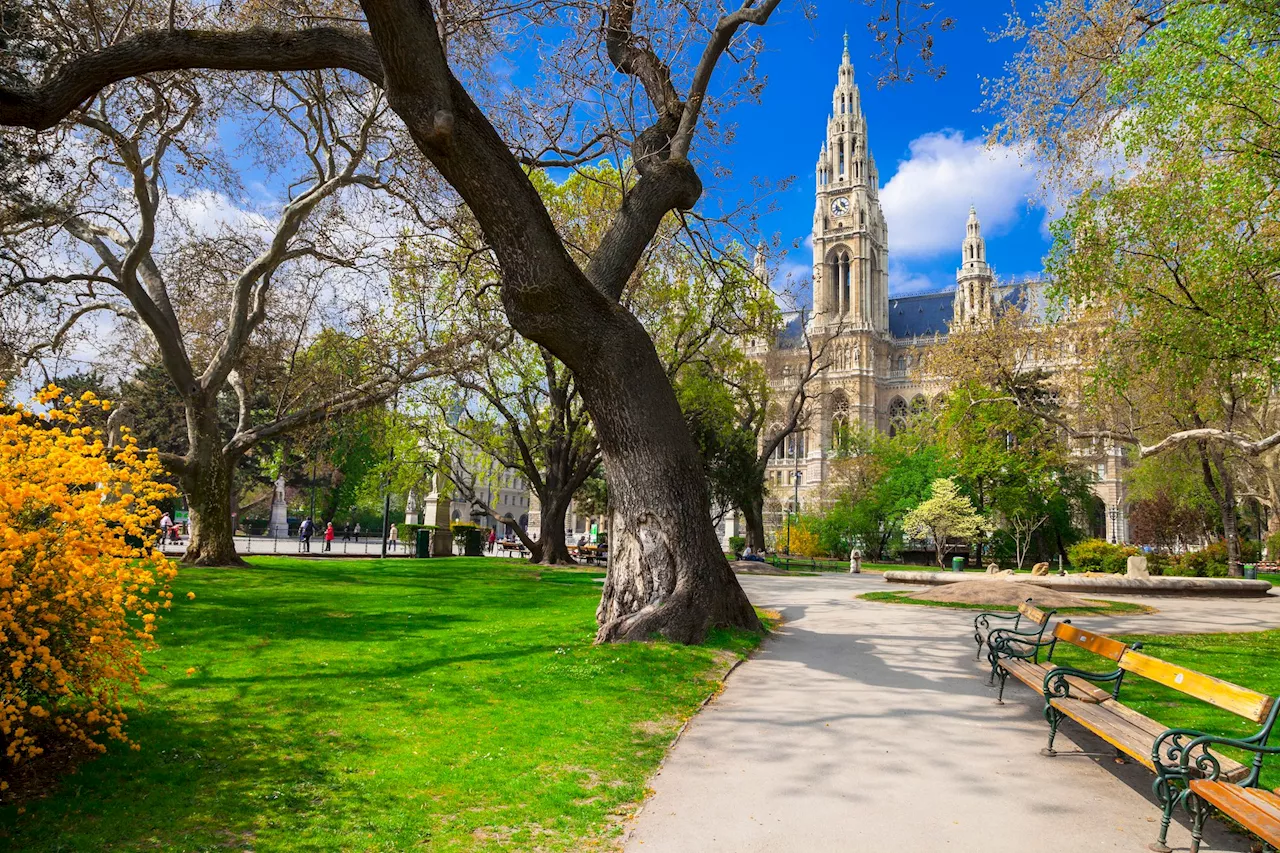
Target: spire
(846, 46)
(761, 268)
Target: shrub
(805, 541)
(737, 544)
(1273, 547)
(78, 601)
(1099, 555)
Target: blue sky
(928, 138)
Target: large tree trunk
(753, 518)
(554, 550)
(667, 575)
(206, 479)
(1225, 496)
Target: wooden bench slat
(1132, 733)
(1089, 641)
(1035, 614)
(1256, 810)
(1032, 675)
(1230, 697)
(1113, 728)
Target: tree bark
(554, 550)
(1225, 497)
(753, 517)
(667, 575)
(206, 478)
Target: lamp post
(1114, 513)
(386, 500)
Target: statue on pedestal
(279, 528)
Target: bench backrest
(1035, 614)
(1090, 641)
(1229, 697)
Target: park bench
(1177, 756)
(988, 624)
(1022, 661)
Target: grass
(445, 704)
(1251, 660)
(1099, 608)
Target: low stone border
(1230, 587)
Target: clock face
(840, 206)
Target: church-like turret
(975, 293)
(850, 255)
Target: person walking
(304, 535)
(165, 523)
(346, 532)
(328, 537)
(357, 532)
(493, 541)
(393, 539)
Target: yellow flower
(191, 671)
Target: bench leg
(1004, 676)
(992, 659)
(1165, 795)
(1199, 812)
(1053, 716)
(977, 638)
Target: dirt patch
(997, 591)
(657, 727)
(751, 567)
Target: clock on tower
(840, 206)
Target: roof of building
(922, 314)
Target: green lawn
(1251, 660)
(1100, 608)
(446, 704)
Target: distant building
(872, 379)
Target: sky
(928, 139)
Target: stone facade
(872, 380)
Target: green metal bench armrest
(983, 620)
(1060, 688)
(1195, 753)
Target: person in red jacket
(328, 537)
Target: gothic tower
(850, 240)
(975, 295)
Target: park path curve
(864, 726)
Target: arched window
(902, 363)
(919, 405)
(897, 415)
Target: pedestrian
(357, 532)
(346, 532)
(165, 523)
(304, 535)
(328, 537)
(493, 541)
(393, 538)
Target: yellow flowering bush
(80, 585)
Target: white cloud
(927, 200)
(207, 212)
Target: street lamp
(1114, 512)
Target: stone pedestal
(411, 508)
(435, 512)
(279, 527)
(1137, 567)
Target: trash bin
(957, 564)
(1250, 572)
(422, 542)
(473, 542)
